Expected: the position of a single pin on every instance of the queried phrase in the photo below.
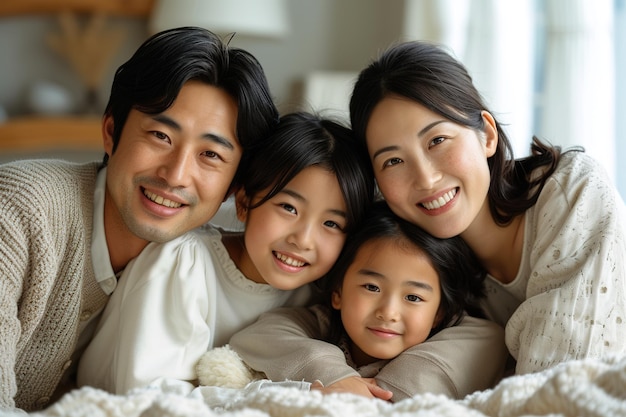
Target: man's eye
(160, 135)
(212, 155)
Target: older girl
(302, 192)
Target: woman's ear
(491, 134)
(335, 300)
(241, 204)
(108, 126)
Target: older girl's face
(431, 171)
(295, 237)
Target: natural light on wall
(545, 67)
(267, 18)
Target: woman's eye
(371, 287)
(437, 141)
(289, 208)
(391, 162)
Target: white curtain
(569, 101)
(580, 77)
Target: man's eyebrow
(218, 139)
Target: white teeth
(160, 200)
(441, 201)
(289, 261)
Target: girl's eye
(289, 208)
(333, 225)
(413, 298)
(391, 162)
(371, 287)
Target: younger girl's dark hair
(302, 140)
(426, 74)
(460, 275)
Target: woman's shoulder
(578, 175)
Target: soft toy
(223, 367)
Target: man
(184, 114)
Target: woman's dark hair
(302, 140)
(460, 275)
(426, 74)
(152, 78)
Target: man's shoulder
(46, 173)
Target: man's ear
(108, 126)
(241, 204)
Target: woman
(549, 229)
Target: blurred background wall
(509, 47)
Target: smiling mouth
(441, 201)
(160, 200)
(289, 260)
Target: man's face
(171, 171)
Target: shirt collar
(99, 250)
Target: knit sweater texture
(48, 284)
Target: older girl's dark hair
(426, 74)
(302, 140)
(152, 78)
(460, 275)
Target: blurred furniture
(72, 132)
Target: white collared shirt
(99, 250)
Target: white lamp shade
(261, 18)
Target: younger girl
(303, 191)
(393, 287)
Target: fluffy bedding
(576, 388)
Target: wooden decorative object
(136, 8)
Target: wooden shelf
(51, 133)
(132, 8)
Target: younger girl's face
(389, 300)
(295, 237)
(431, 171)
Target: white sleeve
(158, 321)
(574, 305)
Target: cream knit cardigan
(48, 283)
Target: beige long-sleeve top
(47, 288)
(287, 344)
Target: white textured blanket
(577, 388)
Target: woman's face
(431, 171)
